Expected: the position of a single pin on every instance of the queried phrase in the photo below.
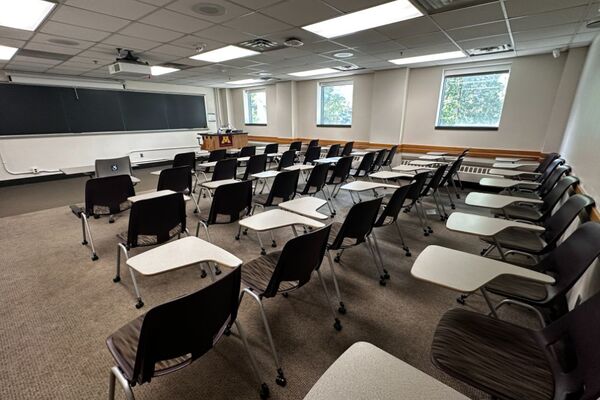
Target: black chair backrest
(233, 200)
(418, 181)
(299, 258)
(176, 179)
(549, 183)
(394, 206)
(313, 143)
(570, 259)
(247, 151)
(182, 159)
(217, 155)
(341, 171)
(550, 169)
(365, 165)
(454, 167)
(225, 169)
(256, 164)
(188, 325)
(557, 223)
(113, 166)
(546, 162)
(358, 223)
(390, 157)
(316, 179)
(557, 193)
(271, 148)
(333, 151)
(108, 195)
(287, 159)
(159, 217)
(284, 186)
(296, 146)
(347, 149)
(381, 155)
(464, 152)
(435, 180)
(312, 153)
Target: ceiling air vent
(482, 51)
(44, 55)
(261, 45)
(438, 6)
(348, 67)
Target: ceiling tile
(534, 34)
(354, 5)
(175, 21)
(159, 3)
(224, 34)
(301, 12)
(255, 4)
(12, 42)
(130, 43)
(13, 66)
(425, 40)
(61, 41)
(552, 18)
(51, 48)
(34, 60)
(485, 42)
(176, 51)
(150, 32)
(231, 10)
(88, 19)
(558, 41)
(470, 16)
(362, 38)
(517, 8)
(14, 33)
(73, 32)
(410, 27)
(257, 24)
(478, 31)
(382, 47)
(128, 9)
(192, 42)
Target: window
(472, 100)
(335, 104)
(255, 107)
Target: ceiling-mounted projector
(128, 65)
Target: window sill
(255, 124)
(333, 126)
(466, 128)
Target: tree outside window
(255, 107)
(472, 100)
(335, 103)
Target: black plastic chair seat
(302, 186)
(529, 195)
(262, 199)
(150, 240)
(519, 239)
(123, 346)
(523, 212)
(500, 358)
(361, 174)
(517, 288)
(335, 229)
(103, 210)
(257, 274)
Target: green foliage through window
(335, 103)
(255, 106)
(473, 100)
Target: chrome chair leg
(264, 388)
(342, 307)
(115, 374)
(404, 246)
(337, 324)
(382, 280)
(386, 274)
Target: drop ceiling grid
(162, 31)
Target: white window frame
(322, 84)
(484, 69)
(246, 113)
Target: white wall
(52, 152)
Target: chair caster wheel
(337, 259)
(408, 253)
(429, 230)
(342, 309)
(84, 242)
(237, 237)
(286, 295)
(337, 325)
(94, 257)
(382, 281)
(482, 252)
(264, 391)
(203, 274)
(139, 304)
(453, 207)
(117, 279)
(386, 276)
(280, 380)
(425, 233)
(96, 216)
(245, 232)
(263, 252)
(274, 244)
(442, 218)
(461, 300)
(227, 332)
(217, 271)
(111, 221)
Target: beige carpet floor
(57, 308)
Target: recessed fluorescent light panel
(313, 72)
(224, 54)
(6, 52)
(384, 14)
(244, 81)
(429, 57)
(159, 70)
(24, 14)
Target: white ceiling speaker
(293, 42)
(209, 9)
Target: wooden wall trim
(412, 148)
